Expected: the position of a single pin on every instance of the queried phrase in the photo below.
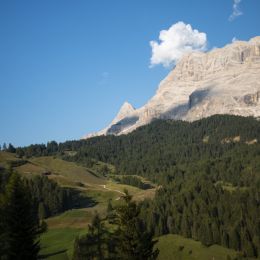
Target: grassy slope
(59, 246)
(169, 246)
(57, 243)
(6, 157)
(68, 170)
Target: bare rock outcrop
(222, 81)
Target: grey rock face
(222, 81)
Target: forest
(207, 173)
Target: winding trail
(118, 198)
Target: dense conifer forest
(207, 173)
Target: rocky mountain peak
(222, 81)
(125, 109)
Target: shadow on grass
(44, 256)
(80, 200)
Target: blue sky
(66, 67)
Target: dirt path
(118, 198)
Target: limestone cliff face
(222, 81)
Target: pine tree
(235, 240)
(4, 147)
(11, 148)
(110, 212)
(133, 240)
(3, 242)
(185, 228)
(22, 226)
(205, 234)
(94, 244)
(216, 233)
(42, 211)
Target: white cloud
(236, 11)
(173, 43)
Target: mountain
(221, 81)
(121, 118)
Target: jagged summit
(125, 110)
(223, 81)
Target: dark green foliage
(20, 223)
(3, 233)
(10, 148)
(154, 151)
(209, 178)
(94, 245)
(42, 211)
(130, 240)
(52, 198)
(4, 147)
(205, 211)
(33, 150)
(19, 152)
(133, 240)
(52, 148)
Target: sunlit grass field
(176, 247)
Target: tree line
(133, 181)
(53, 199)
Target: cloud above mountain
(173, 43)
(236, 10)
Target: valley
(181, 175)
(57, 242)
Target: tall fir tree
(134, 241)
(21, 222)
(4, 147)
(3, 240)
(94, 244)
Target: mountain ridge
(222, 81)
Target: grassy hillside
(6, 158)
(58, 167)
(179, 248)
(57, 242)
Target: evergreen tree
(134, 241)
(206, 234)
(109, 206)
(21, 222)
(10, 148)
(110, 212)
(3, 242)
(52, 147)
(216, 233)
(4, 147)
(235, 240)
(94, 244)
(41, 211)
